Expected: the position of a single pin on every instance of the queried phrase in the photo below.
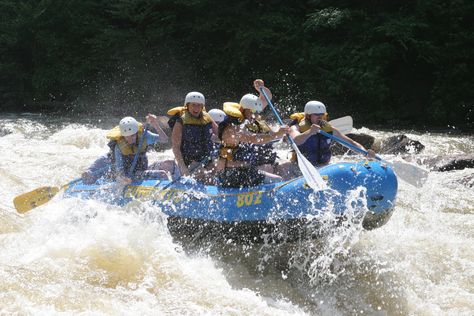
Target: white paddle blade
(343, 124)
(410, 173)
(310, 173)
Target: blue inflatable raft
(278, 212)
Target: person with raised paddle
(238, 158)
(125, 153)
(263, 156)
(192, 128)
(312, 144)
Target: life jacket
(254, 154)
(258, 127)
(299, 116)
(196, 143)
(128, 151)
(317, 147)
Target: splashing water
(74, 256)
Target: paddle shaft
(292, 142)
(349, 145)
(30, 200)
(408, 172)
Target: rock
(400, 144)
(448, 163)
(365, 140)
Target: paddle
(310, 174)
(342, 124)
(409, 173)
(28, 201)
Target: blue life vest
(317, 147)
(127, 160)
(256, 155)
(128, 151)
(196, 143)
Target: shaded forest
(402, 62)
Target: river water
(72, 256)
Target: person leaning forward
(313, 145)
(123, 146)
(236, 165)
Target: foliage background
(384, 62)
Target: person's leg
(267, 168)
(98, 168)
(167, 166)
(206, 174)
(288, 170)
(155, 174)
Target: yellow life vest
(203, 119)
(233, 109)
(227, 152)
(176, 110)
(125, 148)
(258, 127)
(305, 125)
(300, 116)
(187, 118)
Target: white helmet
(195, 97)
(314, 107)
(251, 102)
(217, 115)
(128, 126)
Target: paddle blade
(27, 201)
(410, 173)
(343, 124)
(310, 173)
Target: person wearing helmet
(123, 143)
(191, 136)
(217, 115)
(305, 132)
(261, 155)
(238, 159)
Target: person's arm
(258, 139)
(176, 139)
(119, 167)
(259, 83)
(337, 133)
(152, 119)
(299, 137)
(215, 128)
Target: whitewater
(83, 257)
